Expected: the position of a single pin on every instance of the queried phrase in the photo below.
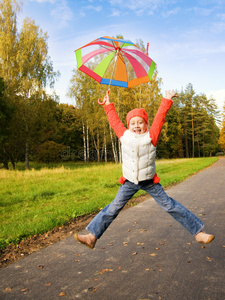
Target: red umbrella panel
(113, 61)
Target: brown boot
(89, 239)
(204, 238)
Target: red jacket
(154, 131)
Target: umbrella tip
(147, 48)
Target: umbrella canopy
(113, 61)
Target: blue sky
(186, 37)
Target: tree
(222, 131)
(69, 130)
(8, 44)
(198, 117)
(26, 69)
(171, 145)
(6, 112)
(35, 69)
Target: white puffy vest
(138, 156)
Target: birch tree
(8, 44)
(35, 70)
(25, 67)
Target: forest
(36, 126)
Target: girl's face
(138, 125)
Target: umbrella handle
(104, 101)
(101, 103)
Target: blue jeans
(105, 217)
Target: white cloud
(43, 1)
(218, 27)
(86, 8)
(62, 12)
(201, 10)
(221, 16)
(171, 12)
(115, 13)
(139, 7)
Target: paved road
(144, 254)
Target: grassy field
(37, 200)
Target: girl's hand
(171, 94)
(106, 98)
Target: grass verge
(35, 201)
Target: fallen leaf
(92, 289)
(40, 267)
(125, 243)
(188, 261)
(8, 289)
(48, 284)
(156, 248)
(119, 268)
(188, 243)
(203, 247)
(161, 243)
(134, 253)
(152, 254)
(147, 269)
(78, 255)
(208, 258)
(24, 290)
(142, 230)
(128, 230)
(105, 270)
(77, 260)
(62, 294)
(102, 248)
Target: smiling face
(138, 125)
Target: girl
(139, 172)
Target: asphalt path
(143, 255)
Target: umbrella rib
(113, 69)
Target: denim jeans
(105, 217)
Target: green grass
(35, 201)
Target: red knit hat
(137, 112)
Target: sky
(186, 37)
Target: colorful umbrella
(114, 61)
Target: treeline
(56, 132)
(33, 125)
(190, 129)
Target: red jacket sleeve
(159, 120)
(114, 120)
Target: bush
(48, 152)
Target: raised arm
(160, 116)
(113, 117)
